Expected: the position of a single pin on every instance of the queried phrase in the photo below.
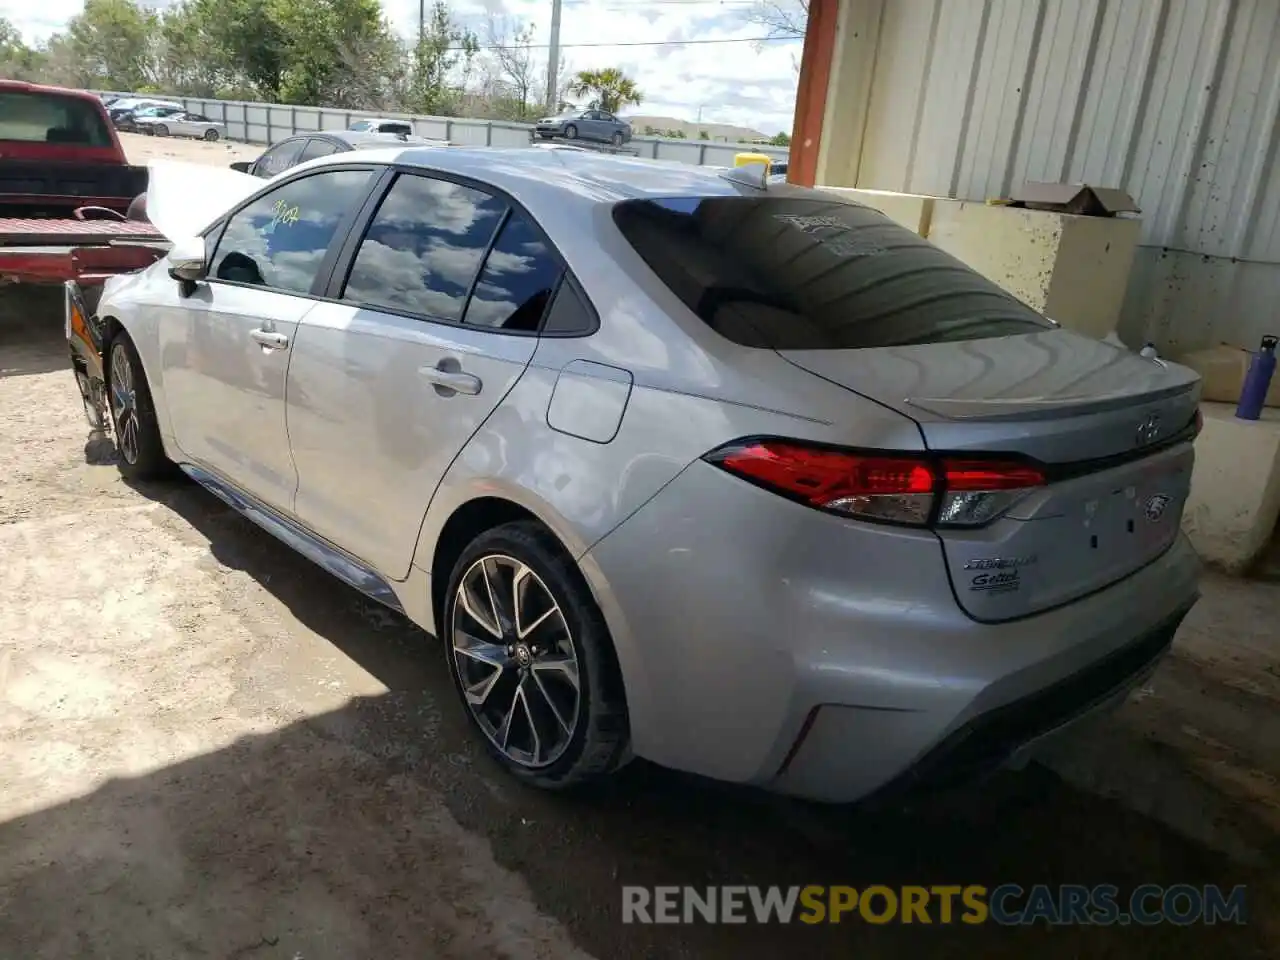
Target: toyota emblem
(1148, 430)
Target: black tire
(600, 740)
(571, 132)
(617, 138)
(161, 130)
(144, 457)
(211, 135)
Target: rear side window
(316, 148)
(519, 276)
(279, 158)
(49, 118)
(423, 248)
(806, 274)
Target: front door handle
(448, 376)
(270, 339)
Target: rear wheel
(211, 135)
(532, 660)
(571, 132)
(133, 415)
(161, 130)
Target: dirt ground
(213, 749)
(142, 148)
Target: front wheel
(161, 130)
(617, 139)
(133, 414)
(532, 660)
(211, 135)
(571, 132)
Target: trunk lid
(1103, 421)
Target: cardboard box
(1223, 369)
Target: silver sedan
(746, 480)
(183, 124)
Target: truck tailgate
(28, 182)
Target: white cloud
(741, 83)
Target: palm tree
(611, 89)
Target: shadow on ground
(322, 839)
(32, 339)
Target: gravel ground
(142, 148)
(213, 749)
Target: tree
(442, 48)
(610, 88)
(110, 41)
(245, 38)
(703, 135)
(17, 60)
(315, 33)
(780, 18)
(511, 48)
(780, 140)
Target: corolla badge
(1154, 508)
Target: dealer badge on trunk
(1154, 508)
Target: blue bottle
(1253, 396)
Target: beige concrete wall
(1235, 489)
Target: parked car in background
(307, 146)
(131, 121)
(131, 105)
(381, 125)
(181, 124)
(778, 171)
(585, 125)
(752, 483)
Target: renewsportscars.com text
(1007, 904)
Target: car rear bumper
(764, 642)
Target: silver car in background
(751, 482)
(599, 125)
(182, 124)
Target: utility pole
(553, 59)
(422, 21)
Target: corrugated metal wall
(1176, 101)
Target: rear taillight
(887, 488)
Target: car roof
(360, 139)
(568, 176)
(21, 86)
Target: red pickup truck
(66, 188)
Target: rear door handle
(270, 339)
(447, 377)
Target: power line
(630, 43)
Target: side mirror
(241, 166)
(186, 263)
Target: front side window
(519, 276)
(804, 274)
(280, 239)
(50, 118)
(423, 248)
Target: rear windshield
(809, 274)
(49, 118)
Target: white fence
(266, 123)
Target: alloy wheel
(516, 660)
(124, 405)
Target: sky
(738, 82)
